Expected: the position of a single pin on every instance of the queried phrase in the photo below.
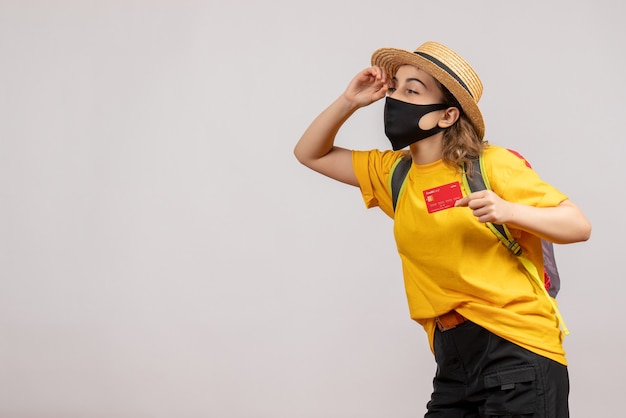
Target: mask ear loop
(435, 128)
(435, 108)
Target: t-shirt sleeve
(513, 179)
(372, 171)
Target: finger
(382, 92)
(481, 212)
(381, 73)
(368, 75)
(462, 202)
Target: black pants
(481, 375)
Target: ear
(449, 117)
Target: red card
(442, 197)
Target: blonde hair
(461, 143)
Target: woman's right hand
(366, 87)
(316, 148)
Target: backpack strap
(477, 180)
(551, 272)
(398, 174)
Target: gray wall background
(163, 254)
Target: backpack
(551, 282)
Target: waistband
(449, 320)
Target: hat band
(446, 69)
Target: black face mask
(402, 122)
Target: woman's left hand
(487, 206)
(561, 224)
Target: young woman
(494, 332)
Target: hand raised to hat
(366, 87)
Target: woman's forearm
(316, 148)
(561, 224)
(319, 138)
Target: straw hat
(445, 65)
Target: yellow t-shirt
(452, 261)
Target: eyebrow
(411, 79)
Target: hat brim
(390, 59)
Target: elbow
(585, 232)
(580, 227)
(584, 228)
(300, 156)
(581, 233)
(305, 156)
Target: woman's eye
(412, 92)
